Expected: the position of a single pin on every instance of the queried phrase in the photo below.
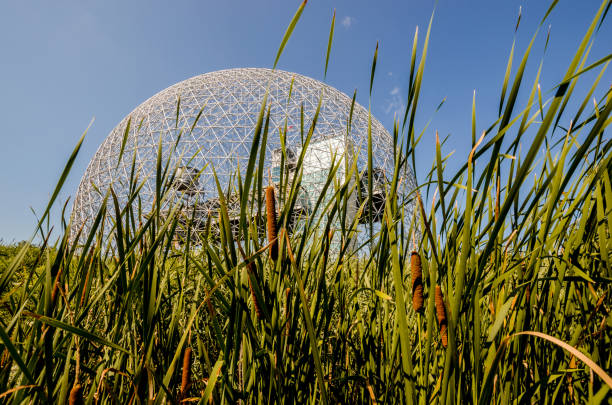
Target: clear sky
(63, 63)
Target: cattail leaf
(197, 118)
(212, 380)
(474, 118)
(76, 331)
(409, 102)
(593, 65)
(415, 90)
(404, 333)
(8, 344)
(523, 127)
(602, 228)
(499, 320)
(289, 31)
(126, 132)
(309, 324)
(568, 88)
(183, 339)
(487, 388)
(553, 4)
(590, 94)
(370, 167)
(538, 139)
(382, 295)
(178, 110)
(260, 126)
(373, 68)
(439, 169)
(329, 44)
(506, 78)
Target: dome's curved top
(226, 105)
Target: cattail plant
(333, 326)
(186, 377)
(441, 314)
(417, 281)
(271, 222)
(76, 395)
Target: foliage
(518, 247)
(29, 261)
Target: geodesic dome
(216, 119)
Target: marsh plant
(504, 299)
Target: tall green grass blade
(12, 350)
(74, 330)
(289, 31)
(329, 44)
(373, 70)
(539, 138)
(212, 380)
(126, 132)
(506, 78)
(309, 325)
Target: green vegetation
(517, 240)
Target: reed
(518, 238)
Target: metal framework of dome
(220, 111)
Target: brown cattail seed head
(441, 314)
(76, 395)
(440, 308)
(444, 335)
(271, 222)
(417, 282)
(186, 378)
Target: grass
(517, 242)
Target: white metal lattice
(230, 101)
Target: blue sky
(63, 63)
